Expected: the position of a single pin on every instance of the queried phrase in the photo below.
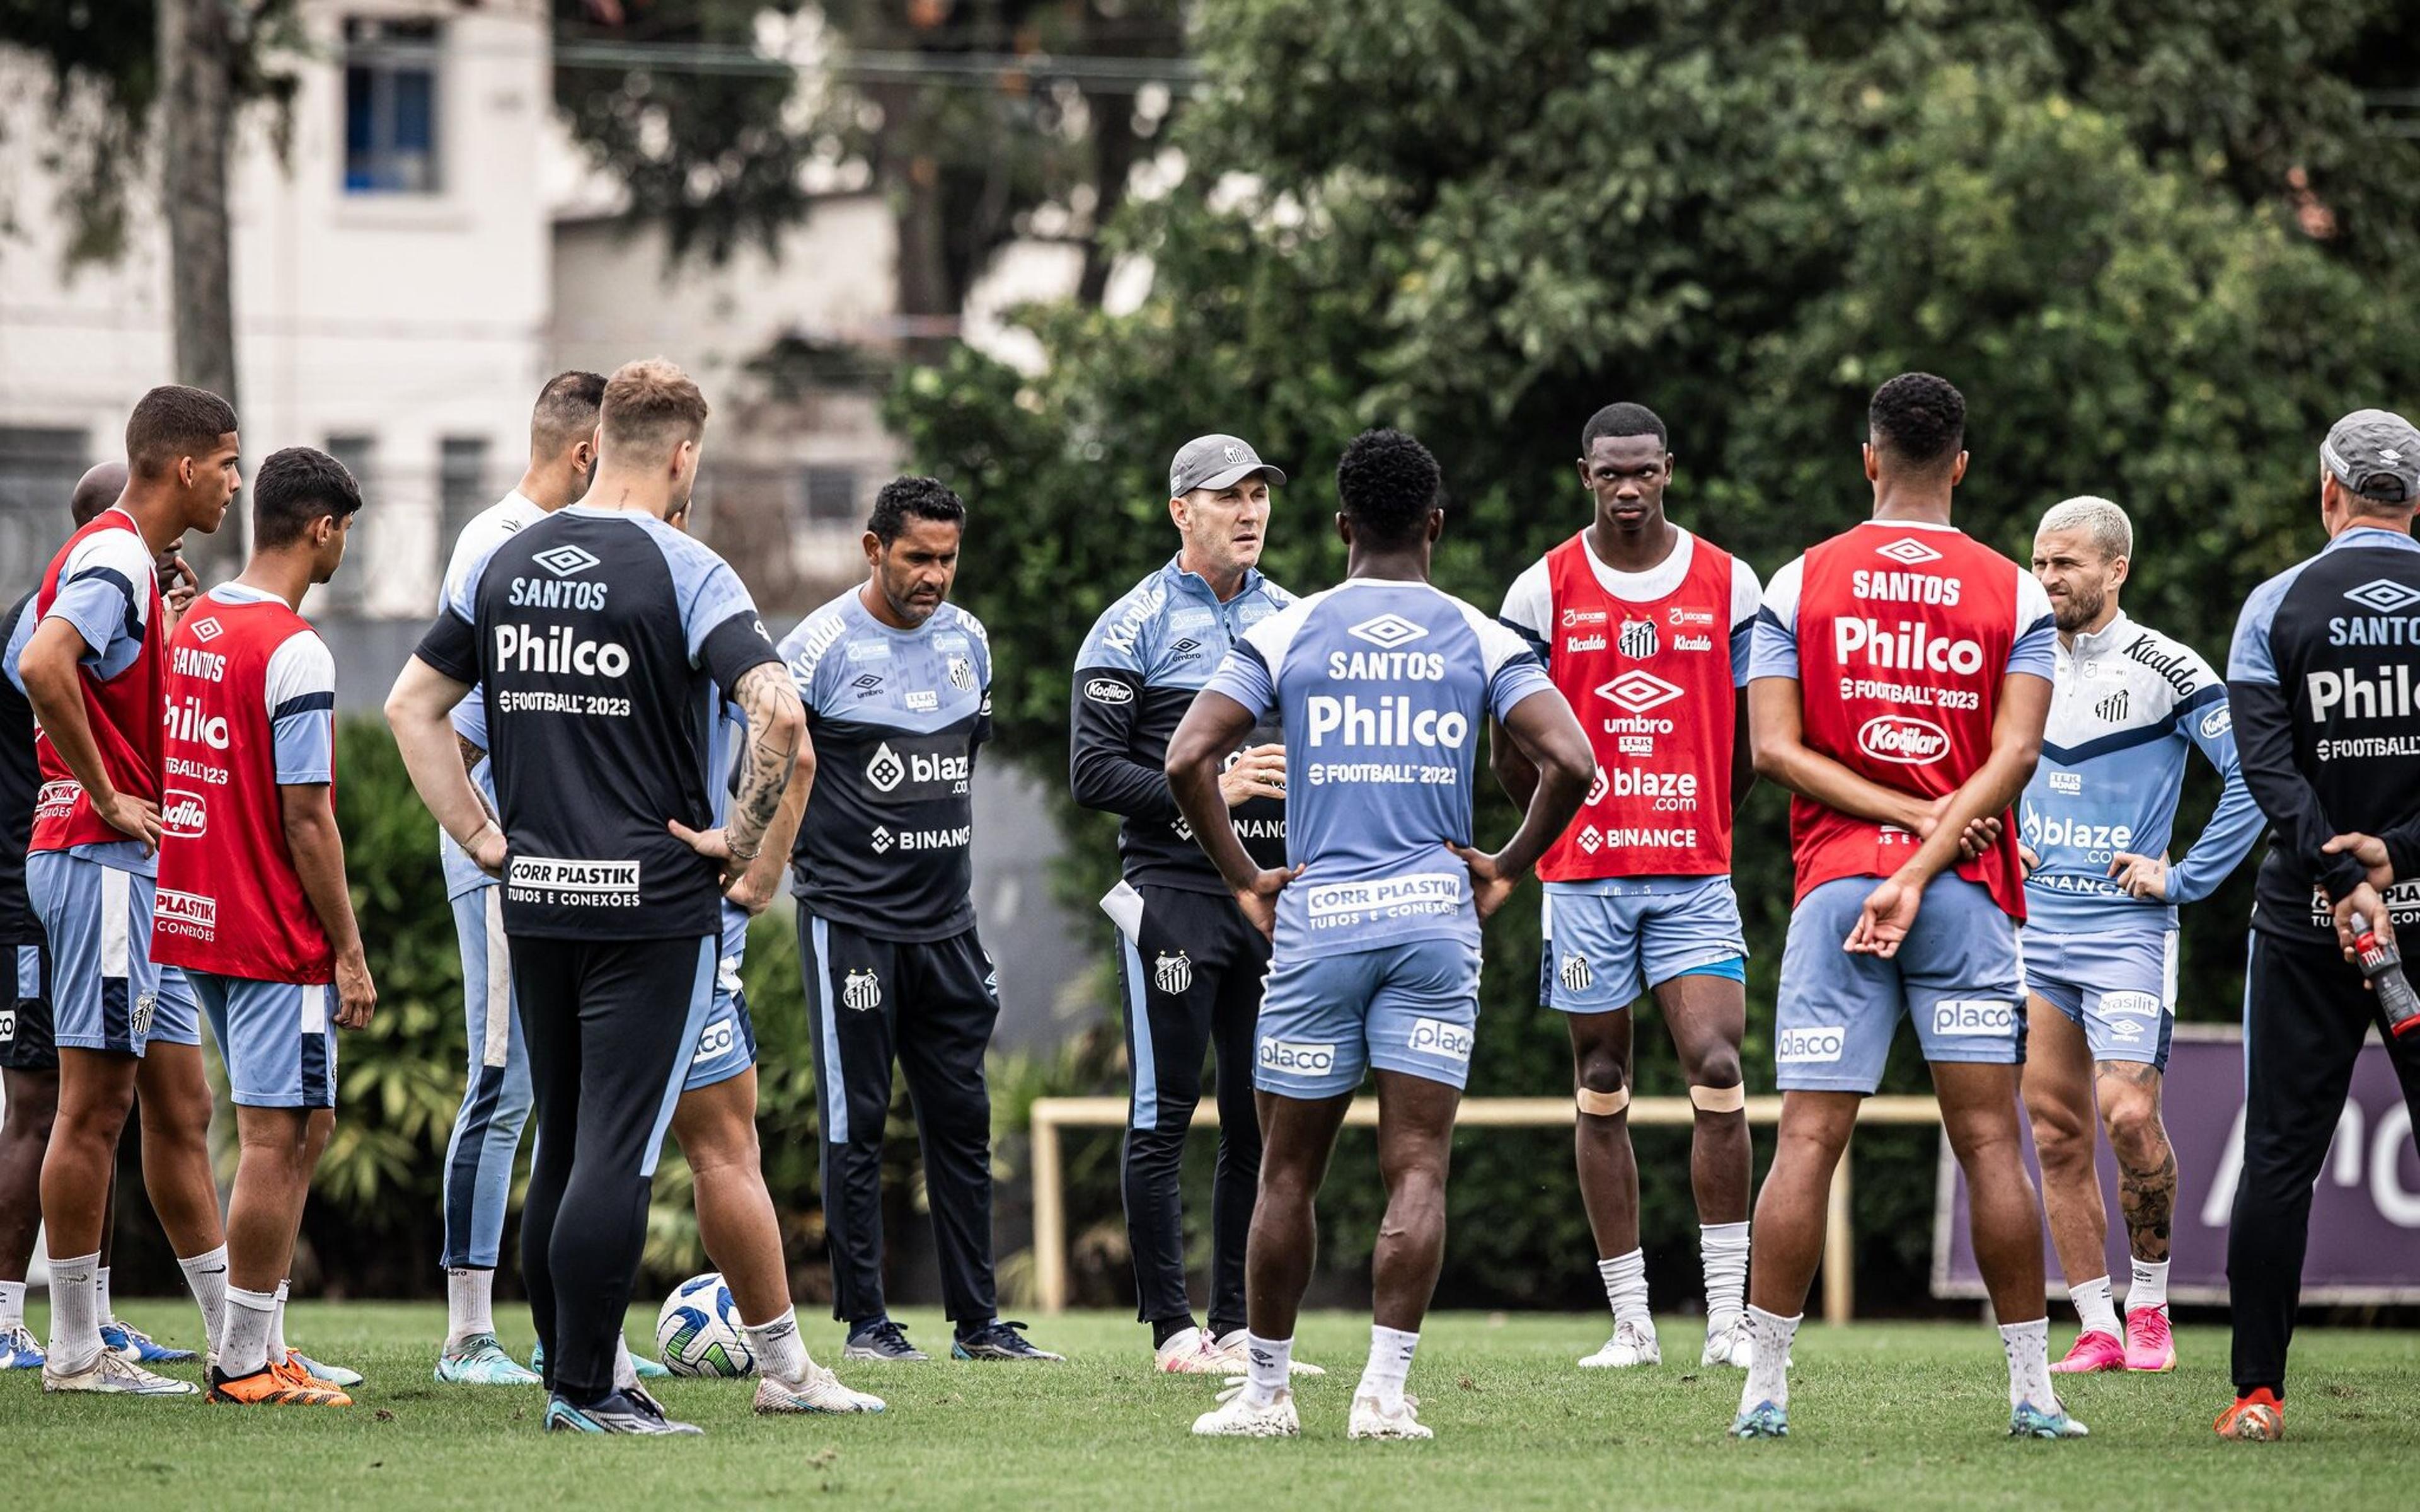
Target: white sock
(1266, 1365)
(2029, 1350)
(779, 1353)
(1391, 1361)
(470, 1303)
(277, 1321)
(75, 1316)
(1625, 1287)
(101, 1295)
(207, 1276)
(2151, 1286)
(1724, 1249)
(2093, 1308)
(12, 1304)
(244, 1348)
(1768, 1369)
(625, 1374)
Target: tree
(1481, 221)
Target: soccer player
(1189, 966)
(601, 635)
(93, 669)
(496, 1092)
(1899, 679)
(251, 900)
(2329, 728)
(1383, 683)
(2100, 931)
(1647, 625)
(897, 685)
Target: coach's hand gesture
(2371, 852)
(1258, 772)
(1490, 885)
(1890, 913)
(1257, 898)
(356, 995)
(715, 845)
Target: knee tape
(1718, 1099)
(1603, 1105)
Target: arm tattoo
(472, 755)
(763, 693)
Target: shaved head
(96, 490)
(566, 414)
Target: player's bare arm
(2016, 746)
(1557, 752)
(417, 711)
(777, 732)
(756, 886)
(49, 666)
(309, 810)
(1210, 728)
(1514, 772)
(1778, 749)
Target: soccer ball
(698, 1333)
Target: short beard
(2079, 611)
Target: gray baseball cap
(1214, 462)
(2376, 454)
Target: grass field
(1897, 1415)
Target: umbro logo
(868, 683)
(207, 631)
(1186, 646)
(1638, 691)
(565, 561)
(1908, 551)
(1388, 631)
(2383, 594)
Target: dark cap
(1214, 462)
(2376, 454)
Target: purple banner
(2365, 1212)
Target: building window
(391, 104)
(39, 469)
(462, 486)
(830, 496)
(359, 454)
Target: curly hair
(924, 498)
(1918, 418)
(1388, 482)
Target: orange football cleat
(275, 1387)
(2259, 1418)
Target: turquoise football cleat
(2031, 1421)
(1762, 1421)
(648, 1370)
(334, 1375)
(482, 1362)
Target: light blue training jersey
(2128, 703)
(1385, 686)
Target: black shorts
(26, 1027)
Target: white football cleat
(1236, 1417)
(1230, 1350)
(1372, 1421)
(1726, 1343)
(1630, 1345)
(116, 1376)
(1190, 1352)
(817, 1391)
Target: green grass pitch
(1885, 1416)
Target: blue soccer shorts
(1328, 1018)
(1607, 942)
(277, 1038)
(2119, 987)
(105, 992)
(1957, 975)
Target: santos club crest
(863, 991)
(1576, 975)
(1637, 638)
(1174, 973)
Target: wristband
(744, 857)
(468, 841)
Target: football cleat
(2150, 1345)
(1190, 1352)
(1373, 1420)
(628, 1410)
(881, 1339)
(1231, 1349)
(2259, 1418)
(1728, 1344)
(334, 1375)
(112, 1374)
(18, 1348)
(1765, 1420)
(480, 1361)
(131, 1343)
(1237, 1417)
(997, 1341)
(818, 1390)
(277, 1385)
(1632, 1344)
(648, 1370)
(2031, 1421)
(2093, 1351)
